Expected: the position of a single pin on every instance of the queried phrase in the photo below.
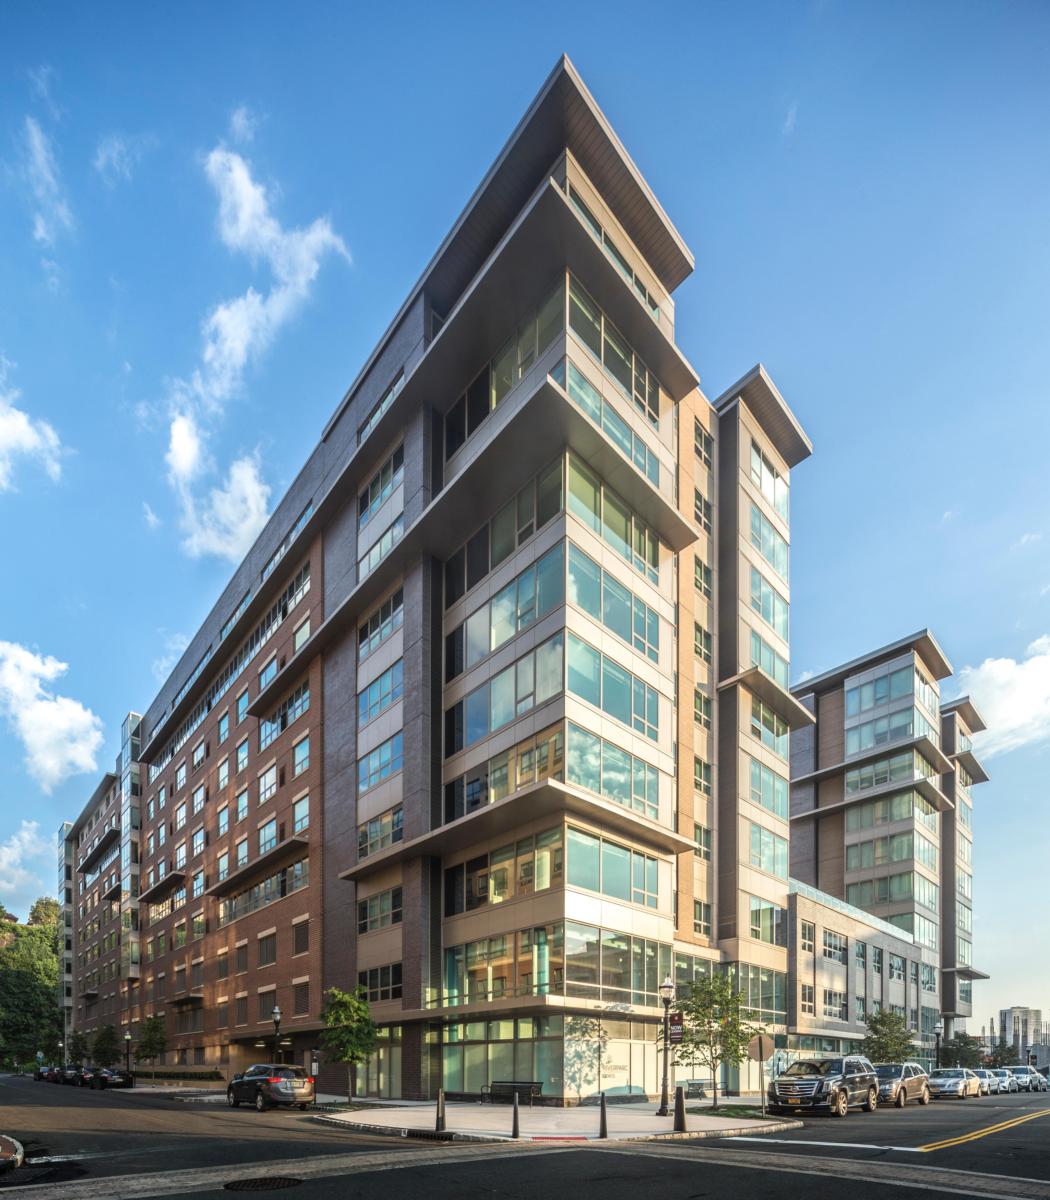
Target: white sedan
(955, 1082)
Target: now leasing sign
(677, 1028)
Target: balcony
(195, 995)
(548, 798)
(113, 891)
(932, 753)
(969, 761)
(779, 699)
(102, 840)
(279, 855)
(961, 971)
(156, 890)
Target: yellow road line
(980, 1133)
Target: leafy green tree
(29, 1015)
(105, 1047)
(77, 1048)
(349, 1035)
(962, 1051)
(153, 1041)
(45, 911)
(716, 1029)
(888, 1039)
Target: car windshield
(826, 1066)
(888, 1070)
(946, 1074)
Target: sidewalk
(472, 1122)
(11, 1154)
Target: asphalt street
(83, 1145)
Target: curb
(430, 1135)
(11, 1154)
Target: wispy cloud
(174, 646)
(1027, 539)
(23, 846)
(149, 516)
(947, 515)
(40, 88)
(118, 154)
(23, 436)
(790, 120)
(225, 519)
(60, 736)
(243, 124)
(52, 215)
(1013, 696)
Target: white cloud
(1013, 697)
(40, 87)
(23, 436)
(174, 646)
(1027, 539)
(790, 120)
(60, 736)
(803, 677)
(118, 154)
(149, 516)
(234, 334)
(25, 844)
(52, 215)
(948, 515)
(1045, 590)
(243, 124)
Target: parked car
(1007, 1082)
(56, 1074)
(901, 1082)
(71, 1073)
(1024, 1077)
(40, 1071)
(828, 1085)
(989, 1082)
(267, 1084)
(84, 1076)
(955, 1082)
(110, 1077)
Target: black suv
(826, 1085)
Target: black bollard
(603, 1124)
(514, 1130)
(679, 1110)
(439, 1120)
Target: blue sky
(208, 214)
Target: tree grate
(272, 1183)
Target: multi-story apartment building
(64, 893)
(1022, 1029)
(493, 719)
(881, 813)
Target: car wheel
(840, 1105)
(901, 1097)
(925, 1097)
(303, 1107)
(260, 1102)
(231, 1099)
(872, 1101)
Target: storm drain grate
(272, 1183)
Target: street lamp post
(127, 1053)
(938, 1029)
(666, 992)
(276, 1014)
(60, 1058)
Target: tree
(45, 911)
(153, 1041)
(105, 1048)
(962, 1051)
(77, 1049)
(716, 1031)
(888, 1039)
(1004, 1055)
(29, 1015)
(350, 1034)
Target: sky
(210, 213)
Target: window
(769, 481)
(381, 547)
(180, 817)
(768, 922)
(300, 636)
(611, 869)
(386, 620)
(223, 728)
(242, 959)
(603, 597)
(268, 673)
(702, 576)
(381, 487)
(380, 832)
(860, 953)
(242, 705)
(702, 510)
(224, 773)
(599, 508)
(198, 842)
(896, 967)
(268, 784)
(634, 448)
(198, 885)
(161, 794)
(300, 756)
(199, 796)
(807, 936)
(242, 804)
(903, 806)
(222, 965)
(242, 755)
(702, 839)
(266, 1003)
(222, 866)
(763, 655)
(768, 542)
(180, 776)
(770, 728)
(268, 836)
(300, 937)
(769, 789)
(769, 604)
(928, 976)
(907, 722)
(301, 814)
(287, 713)
(834, 946)
(379, 911)
(287, 540)
(701, 642)
(703, 443)
(806, 999)
(876, 960)
(702, 918)
(836, 1005)
(381, 763)
(198, 755)
(701, 776)
(381, 983)
(603, 767)
(241, 1011)
(601, 681)
(768, 851)
(894, 685)
(381, 693)
(701, 708)
(301, 999)
(861, 1009)
(268, 950)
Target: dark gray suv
(266, 1085)
(826, 1085)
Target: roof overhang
(964, 972)
(969, 760)
(148, 895)
(967, 713)
(106, 838)
(549, 798)
(779, 699)
(770, 409)
(933, 755)
(103, 786)
(289, 850)
(924, 786)
(922, 642)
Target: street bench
(506, 1089)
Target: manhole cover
(272, 1184)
